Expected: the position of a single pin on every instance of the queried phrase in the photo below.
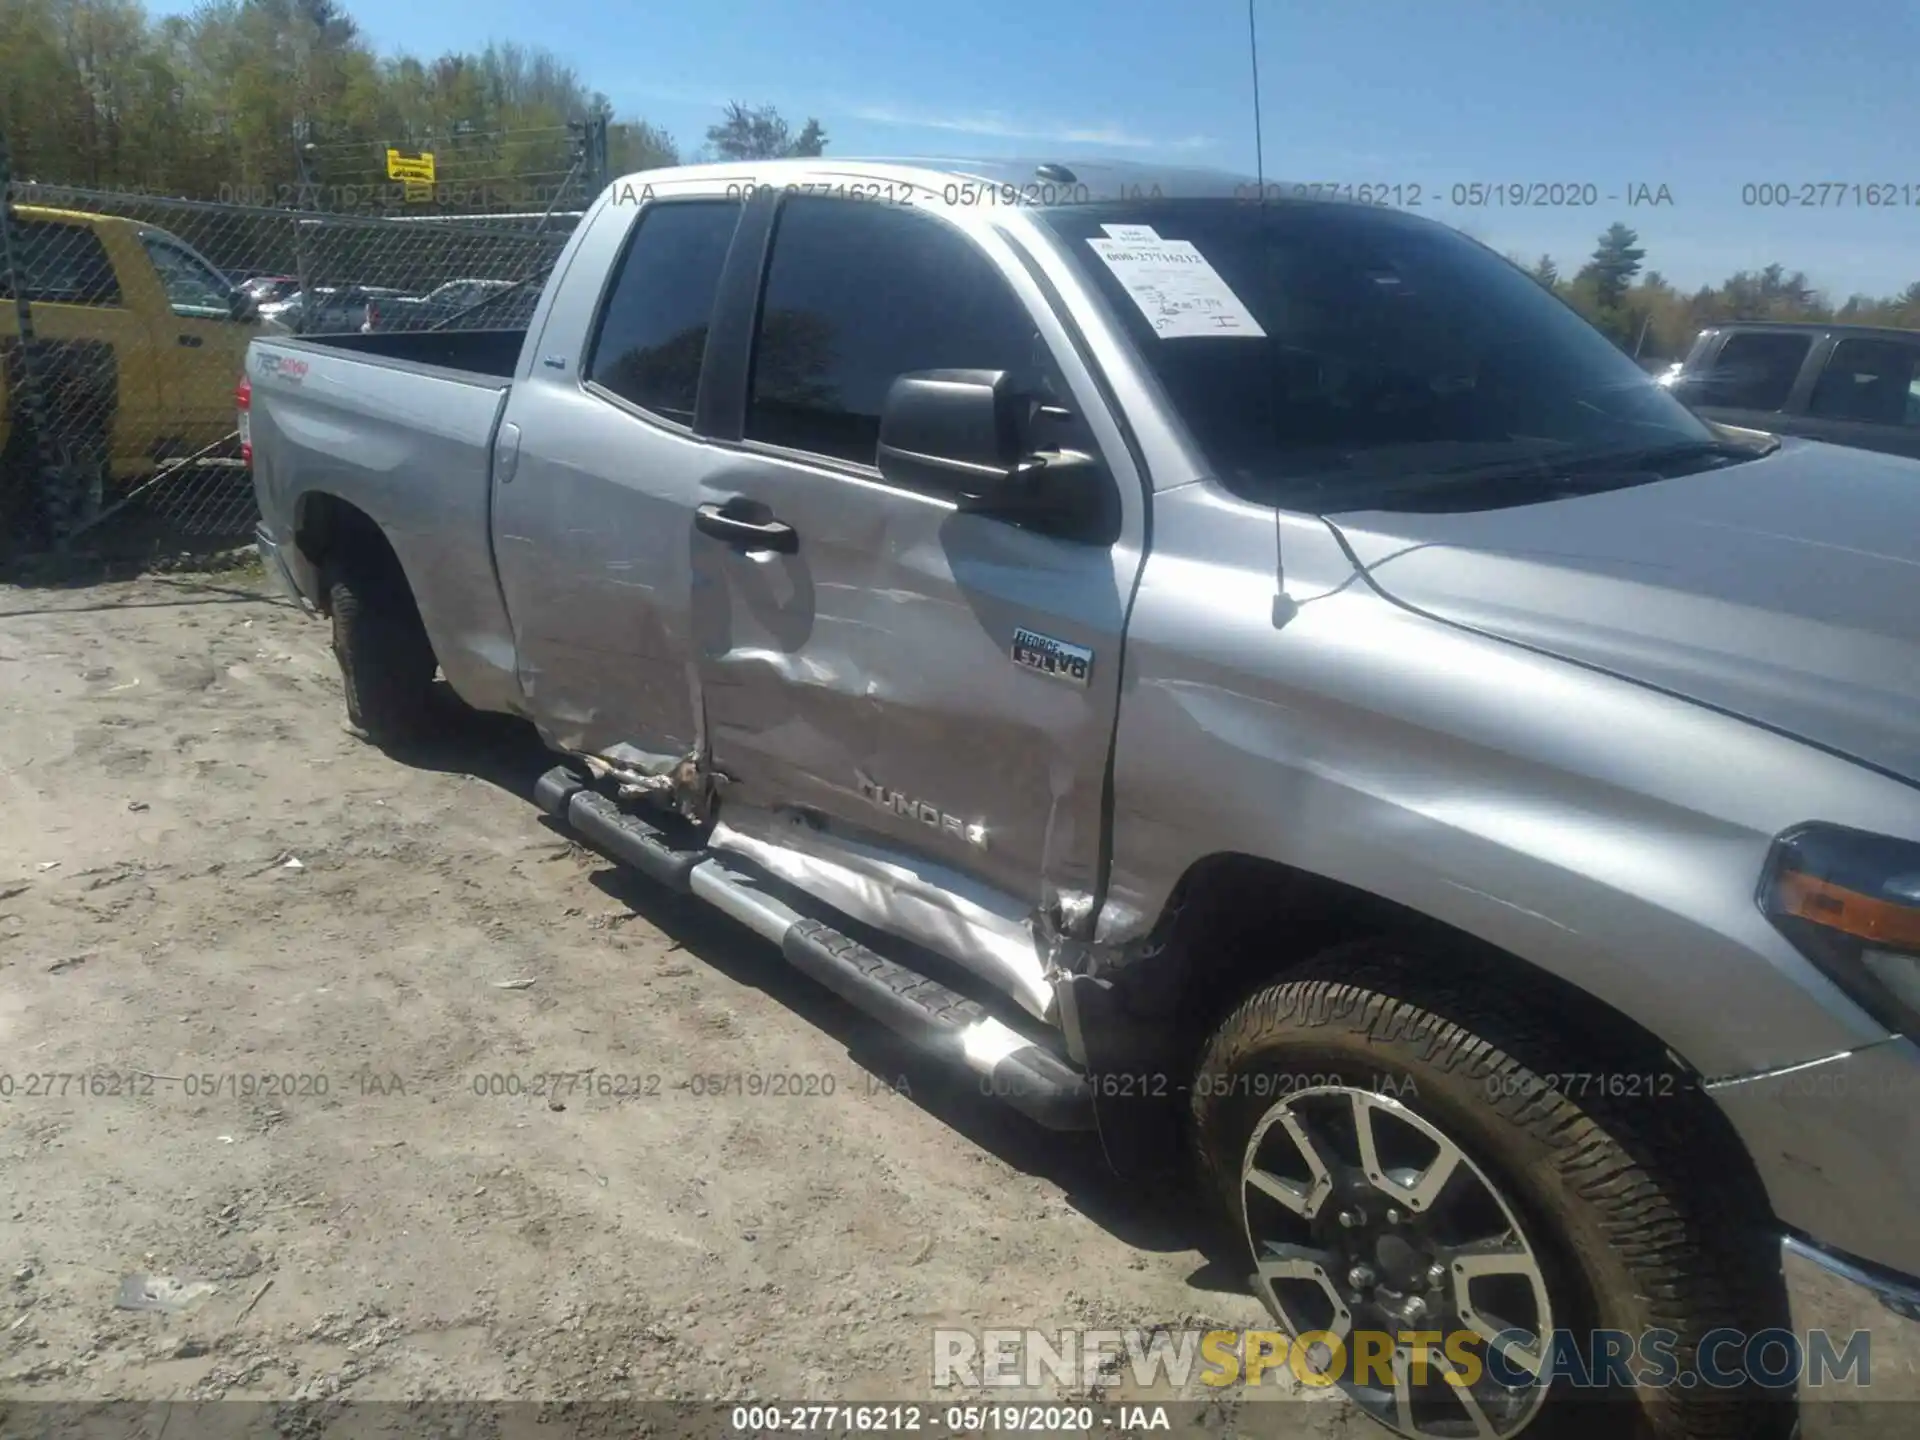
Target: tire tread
(1638, 1165)
(386, 660)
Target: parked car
(138, 338)
(279, 314)
(327, 310)
(1853, 385)
(270, 289)
(1311, 693)
(460, 304)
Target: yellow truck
(138, 343)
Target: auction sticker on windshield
(1172, 283)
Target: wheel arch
(1217, 926)
(1214, 946)
(328, 530)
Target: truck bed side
(385, 426)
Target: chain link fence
(126, 322)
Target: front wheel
(1474, 1232)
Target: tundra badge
(932, 816)
(1048, 656)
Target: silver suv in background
(1312, 704)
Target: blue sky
(1703, 96)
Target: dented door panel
(591, 540)
(906, 894)
(590, 536)
(870, 676)
(912, 709)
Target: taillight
(243, 401)
(373, 317)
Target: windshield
(1366, 346)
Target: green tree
(1545, 271)
(636, 145)
(746, 133)
(812, 140)
(1583, 294)
(1616, 260)
(1661, 317)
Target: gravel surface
(275, 1008)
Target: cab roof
(72, 217)
(1813, 327)
(1103, 179)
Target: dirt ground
(306, 980)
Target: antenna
(1259, 158)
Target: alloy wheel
(1363, 1218)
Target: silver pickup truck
(1251, 675)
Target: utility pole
(304, 151)
(597, 166)
(588, 152)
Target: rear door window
(1875, 382)
(652, 333)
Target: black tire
(386, 661)
(76, 491)
(67, 480)
(1631, 1208)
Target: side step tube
(1029, 1077)
(553, 791)
(629, 838)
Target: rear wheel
(386, 660)
(70, 479)
(1400, 1154)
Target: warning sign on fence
(416, 171)
(415, 168)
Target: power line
(375, 180)
(455, 140)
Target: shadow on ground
(122, 549)
(1161, 1214)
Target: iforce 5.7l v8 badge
(1071, 663)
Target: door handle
(192, 342)
(745, 534)
(506, 452)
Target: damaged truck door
(590, 525)
(909, 588)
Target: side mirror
(952, 431)
(966, 434)
(240, 305)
